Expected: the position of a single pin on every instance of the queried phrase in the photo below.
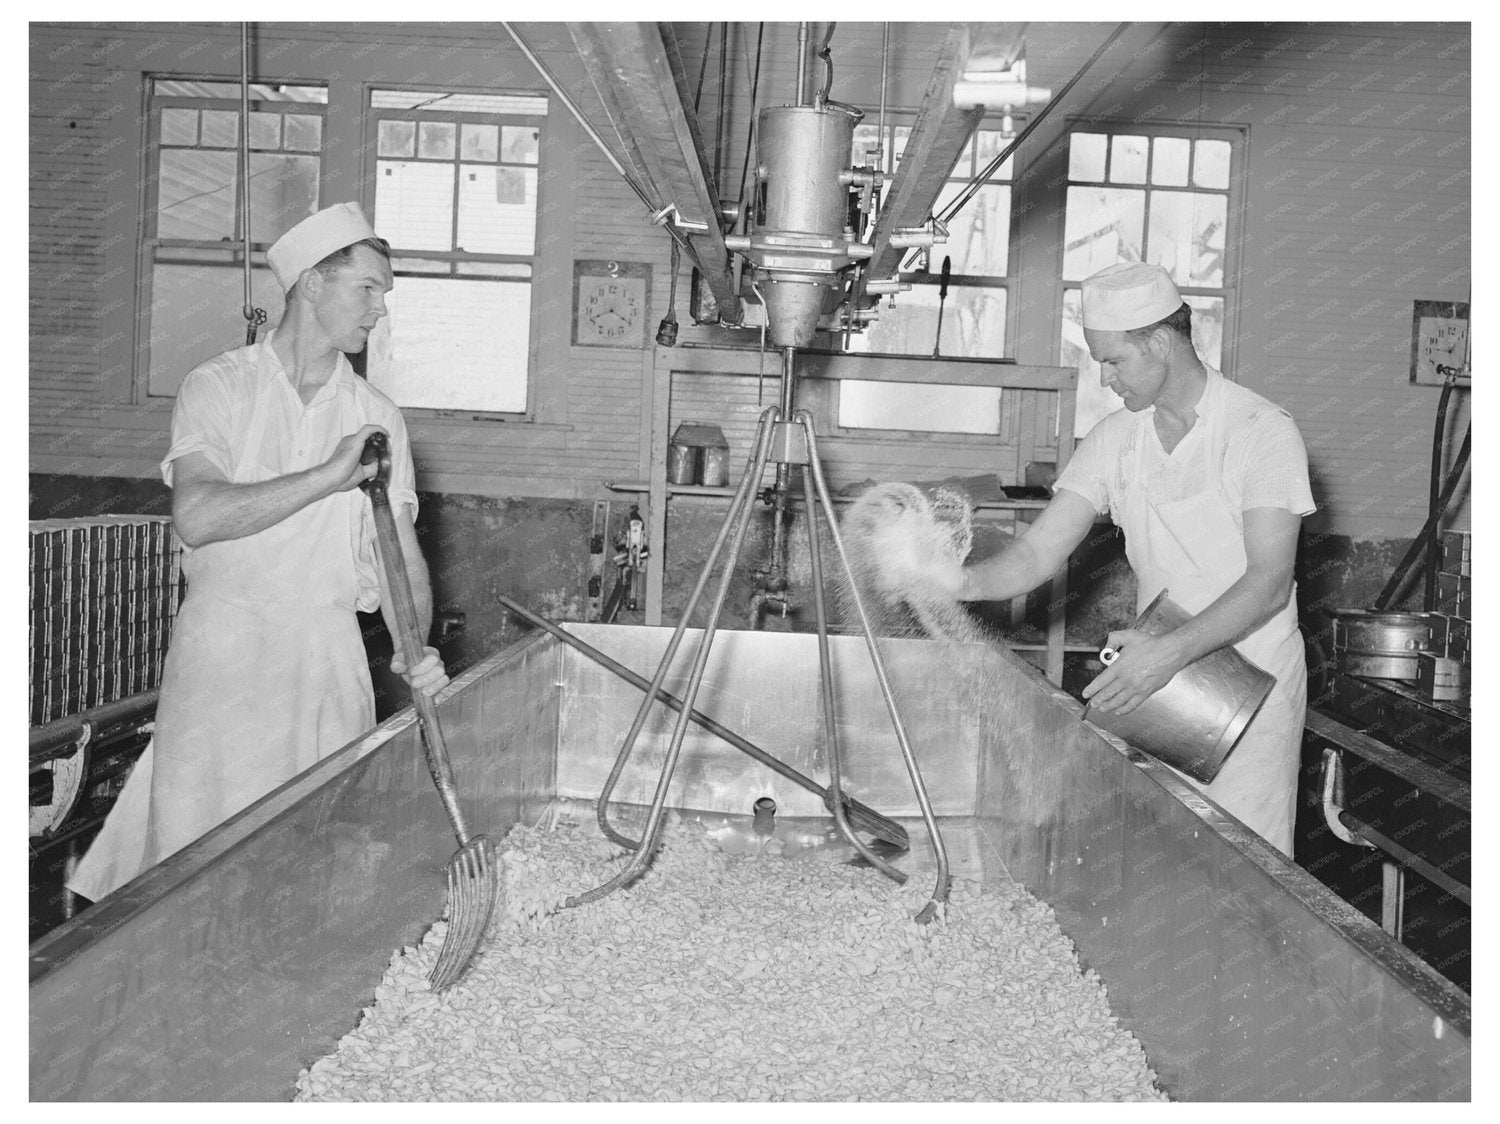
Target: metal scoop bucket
(1195, 720)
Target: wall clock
(610, 303)
(1439, 339)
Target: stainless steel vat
(220, 973)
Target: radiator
(104, 591)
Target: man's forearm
(1011, 573)
(206, 511)
(421, 592)
(1241, 609)
(418, 581)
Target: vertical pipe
(1435, 534)
(249, 306)
(801, 63)
(788, 358)
(719, 128)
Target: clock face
(609, 304)
(611, 307)
(1440, 342)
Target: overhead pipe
(583, 122)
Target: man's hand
(1145, 665)
(914, 567)
(428, 676)
(344, 463)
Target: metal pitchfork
(471, 871)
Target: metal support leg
(738, 506)
(825, 671)
(739, 517)
(940, 889)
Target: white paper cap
(1128, 295)
(314, 238)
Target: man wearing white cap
(267, 671)
(1209, 482)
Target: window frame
(1238, 138)
(149, 195)
(1008, 281)
(371, 117)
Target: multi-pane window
(973, 314)
(194, 297)
(1153, 197)
(456, 196)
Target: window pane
(397, 138)
(481, 142)
(436, 139)
(930, 407)
(991, 144)
(1094, 400)
(195, 196)
(1211, 165)
(979, 235)
(518, 145)
(1127, 160)
(265, 130)
(512, 269)
(197, 312)
(1104, 226)
(283, 192)
(973, 324)
(180, 88)
(1086, 156)
(440, 347)
(963, 167)
(221, 128)
(519, 105)
(414, 204)
(866, 137)
(1187, 236)
(406, 263)
(1169, 161)
(179, 126)
(1208, 328)
(304, 132)
(898, 144)
(496, 209)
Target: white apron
(265, 675)
(1194, 548)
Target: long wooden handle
(404, 609)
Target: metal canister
(1197, 718)
(715, 470)
(682, 463)
(1442, 679)
(1380, 645)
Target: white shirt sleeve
(1273, 465)
(202, 421)
(1087, 471)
